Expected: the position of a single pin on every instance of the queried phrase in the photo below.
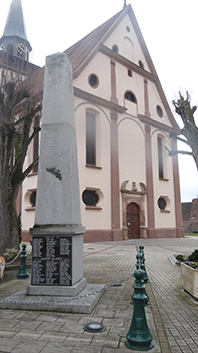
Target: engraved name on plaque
(51, 261)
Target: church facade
(129, 185)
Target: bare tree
(18, 108)
(189, 131)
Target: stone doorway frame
(137, 197)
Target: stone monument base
(83, 303)
(60, 291)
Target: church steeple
(14, 40)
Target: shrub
(193, 256)
(180, 257)
(10, 254)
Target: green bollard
(140, 265)
(22, 272)
(139, 337)
(146, 279)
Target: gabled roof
(15, 25)
(83, 51)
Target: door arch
(133, 220)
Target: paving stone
(56, 348)
(113, 322)
(50, 326)
(31, 325)
(8, 344)
(54, 337)
(79, 339)
(71, 327)
(9, 323)
(5, 332)
(28, 335)
(27, 346)
(106, 340)
(86, 349)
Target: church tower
(14, 41)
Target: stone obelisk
(57, 243)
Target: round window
(128, 29)
(161, 203)
(141, 64)
(159, 111)
(90, 197)
(93, 81)
(115, 48)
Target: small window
(130, 97)
(93, 81)
(115, 48)
(130, 73)
(128, 29)
(161, 203)
(33, 199)
(90, 197)
(159, 111)
(141, 64)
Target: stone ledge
(82, 304)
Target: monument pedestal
(57, 261)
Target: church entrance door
(133, 220)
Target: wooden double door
(133, 220)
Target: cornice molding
(98, 100)
(129, 64)
(151, 122)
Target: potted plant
(189, 274)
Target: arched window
(129, 49)
(90, 138)
(130, 97)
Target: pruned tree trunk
(17, 112)
(9, 228)
(190, 131)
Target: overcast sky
(168, 27)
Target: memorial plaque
(51, 261)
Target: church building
(129, 185)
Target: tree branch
(174, 152)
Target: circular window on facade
(93, 80)
(159, 111)
(128, 29)
(33, 199)
(161, 203)
(115, 48)
(90, 197)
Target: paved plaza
(172, 316)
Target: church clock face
(20, 48)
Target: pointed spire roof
(15, 25)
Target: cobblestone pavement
(172, 316)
